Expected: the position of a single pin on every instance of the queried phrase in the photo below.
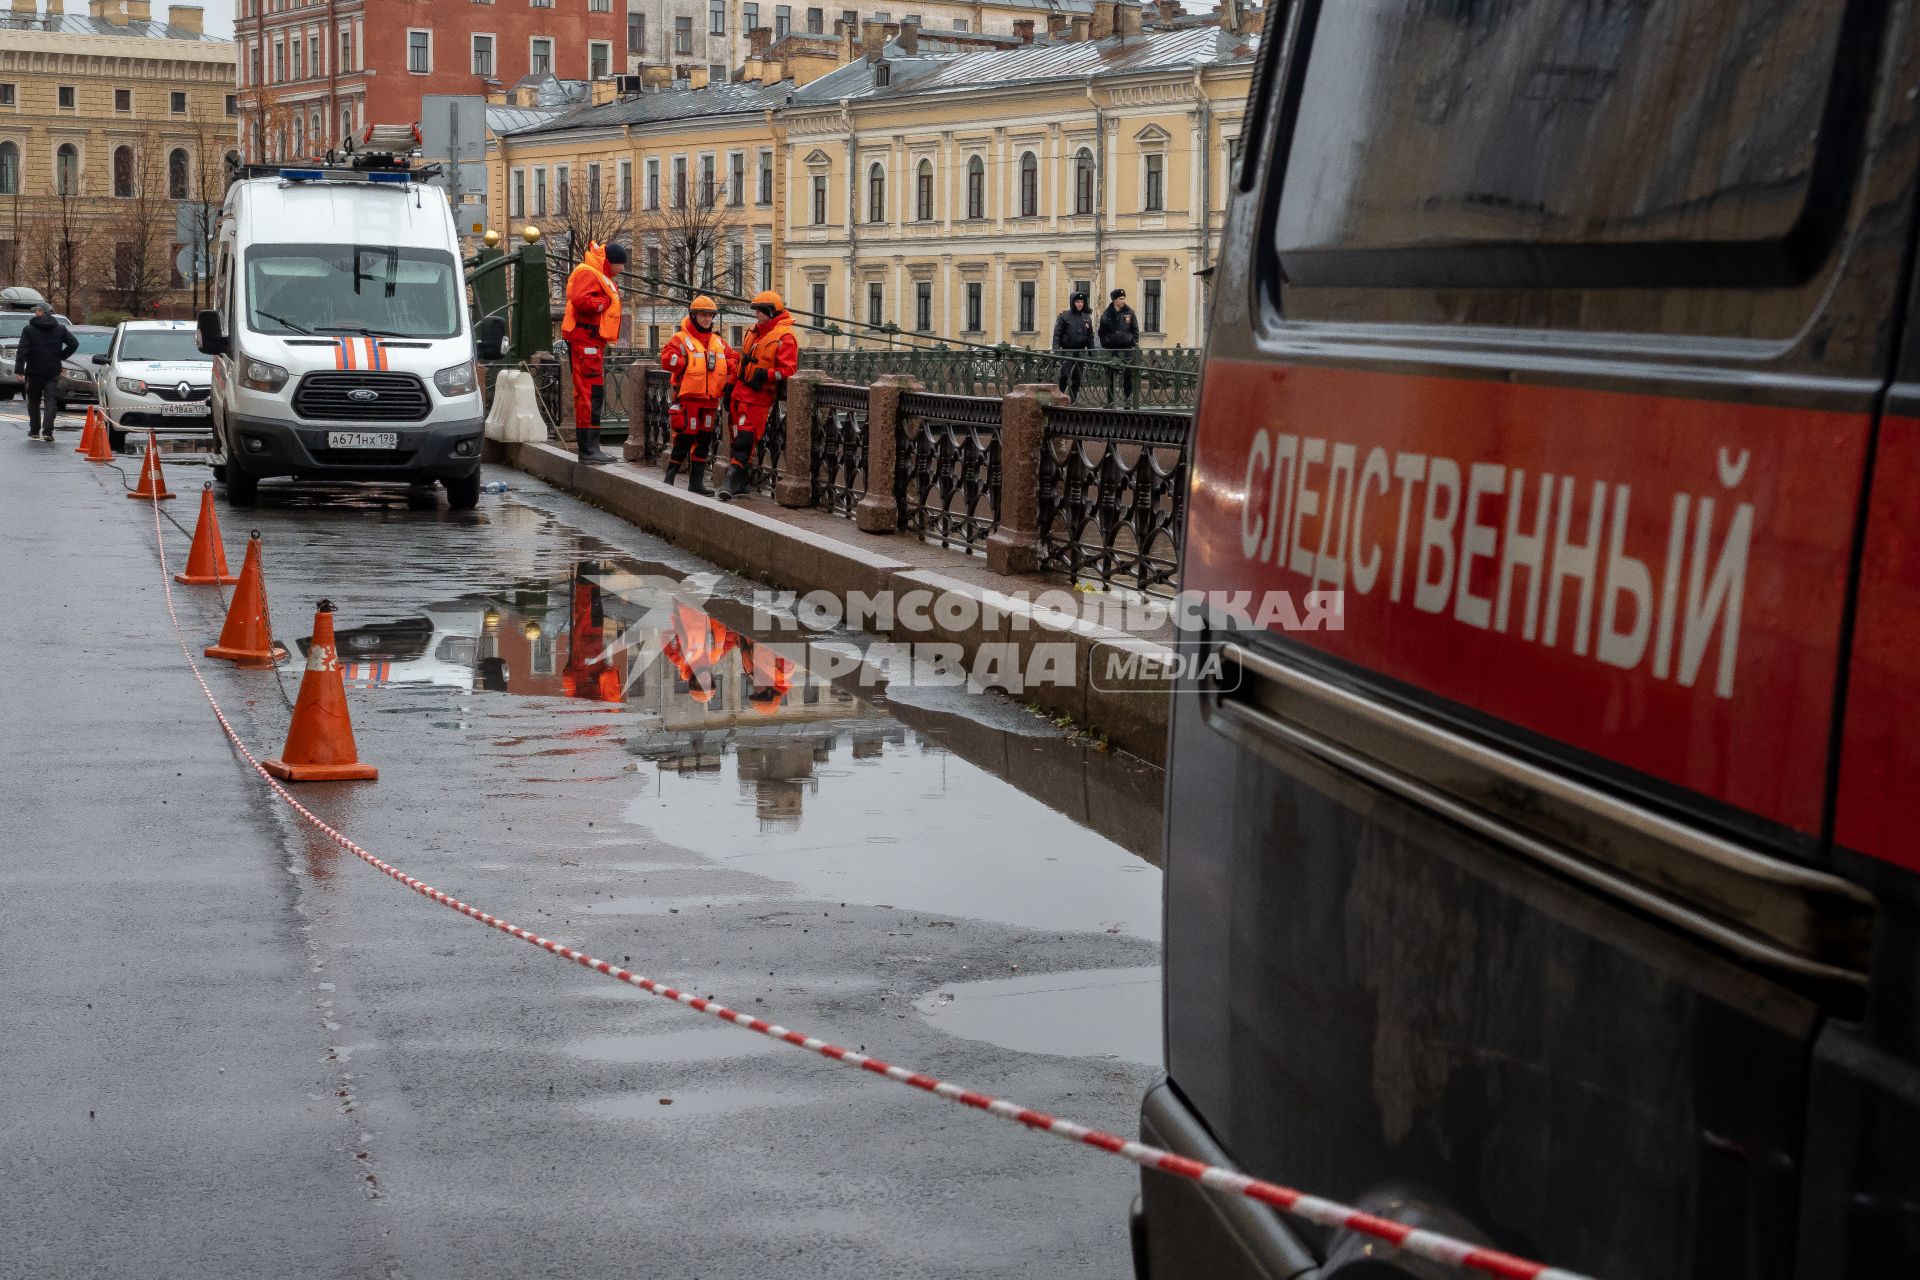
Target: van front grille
(361, 396)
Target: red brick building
(313, 71)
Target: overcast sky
(219, 15)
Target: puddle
(779, 775)
(702, 1044)
(1083, 1013)
(692, 1102)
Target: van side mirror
(212, 341)
(490, 338)
(100, 359)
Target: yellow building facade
(968, 197)
(110, 123)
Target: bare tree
(138, 223)
(206, 192)
(585, 211)
(55, 238)
(679, 245)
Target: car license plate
(363, 440)
(193, 409)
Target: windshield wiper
(362, 329)
(268, 315)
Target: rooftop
(677, 103)
(73, 24)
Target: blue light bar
(301, 175)
(400, 178)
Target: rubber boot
(735, 485)
(672, 472)
(697, 478)
(589, 440)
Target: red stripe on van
(1431, 459)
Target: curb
(771, 551)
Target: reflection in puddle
(703, 1044)
(1085, 1013)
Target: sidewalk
(809, 549)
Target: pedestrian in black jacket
(1072, 334)
(44, 344)
(1120, 331)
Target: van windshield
(161, 344)
(352, 288)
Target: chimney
(873, 38)
(1079, 27)
(909, 37)
(56, 8)
(656, 78)
(1057, 25)
(22, 9)
(181, 17)
(848, 40)
(1128, 14)
(697, 76)
(1023, 28)
(139, 10)
(758, 38)
(1105, 20)
(601, 92)
(1253, 21)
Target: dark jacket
(1119, 329)
(1073, 330)
(44, 343)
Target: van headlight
(455, 379)
(132, 386)
(261, 376)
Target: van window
(380, 289)
(1694, 142)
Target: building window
(123, 172)
(819, 199)
(816, 21)
(679, 182)
(819, 303)
(1084, 288)
(296, 60)
(749, 17)
(782, 20)
(177, 174)
(765, 194)
(177, 102)
(540, 193)
(1083, 182)
(1026, 306)
(345, 60)
(599, 59)
(540, 56)
(766, 264)
(346, 123)
(707, 191)
(563, 191)
(976, 187)
(8, 95)
(653, 271)
(517, 195)
(876, 193)
(653, 183)
(1155, 195)
(876, 304)
(123, 100)
(626, 186)
(737, 267)
(419, 52)
(233, 104)
(974, 307)
(593, 188)
(483, 57)
(716, 73)
(1029, 185)
(541, 4)
(1150, 306)
(9, 168)
(66, 170)
(683, 35)
(737, 179)
(923, 306)
(637, 34)
(923, 191)
(716, 17)
(960, 24)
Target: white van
(340, 339)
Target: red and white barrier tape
(1430, 1245)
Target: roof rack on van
(388, 155)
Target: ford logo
(363, 395)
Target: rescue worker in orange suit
(701, 366)
(592, 320)
(771, 675)
(589, 672)
(696, 645)
(769, 356)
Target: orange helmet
(768, 298)
(766, 701)
(702, 303)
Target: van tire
(463, 492)
(243, 489)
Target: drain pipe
(1099, 194)
(1205, 112)
(853, 212)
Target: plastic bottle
(494, 486)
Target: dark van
(1567, 899)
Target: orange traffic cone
(86, 432)
(247, 636)
(152, 484)
(207, 560)
(320, 739)
(99, 444)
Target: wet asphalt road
(233, 1050)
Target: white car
(154, 376)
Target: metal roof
(508, 119)
(79, 24)
(728, 98)
(1047, 60)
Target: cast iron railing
(765, 471)
(1113, 488)
(839, 462)
(946, 470)
(656, 434)
(1160, 377)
